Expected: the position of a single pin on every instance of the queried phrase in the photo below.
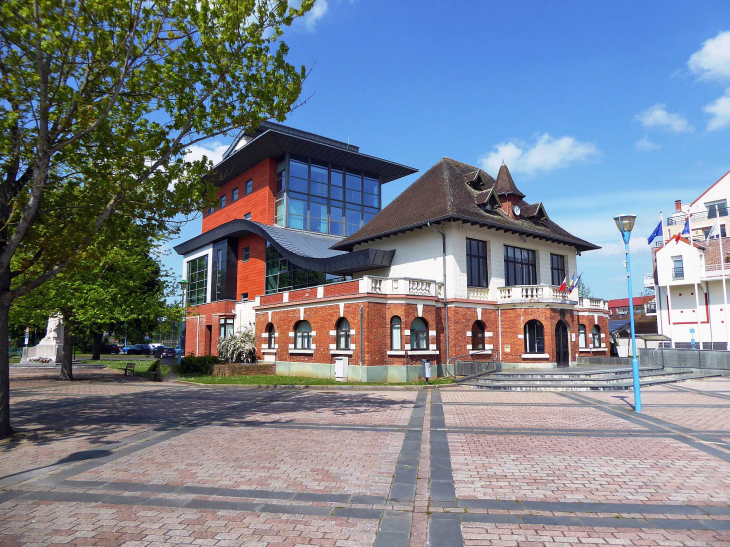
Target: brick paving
(108, 460)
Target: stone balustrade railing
(401, 285)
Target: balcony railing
(532, 293)
(593, 303)
(477, 293)
(677, 273)
(715, 212)
(650, 307)
(401, 285)
(715, 271)
(648, 280)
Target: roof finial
(502, 161)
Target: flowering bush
(239, 347)
(40, 359)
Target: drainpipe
(361, 360)
(446, 309)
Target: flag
(684, 232)
(577, 281)
(572, 284)
(656, 233)
(714, 232)
(562, 287)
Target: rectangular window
(211, 209)
(247, 216)
(476, 263)
(318, 215)
(245, 252)
(678, 269)
(248, 188)
(223, 201)
(520, 266)
(280, 177)
(244, 297)
(716, 208)
(234, 195)
(226, 327)
(557, 269)
(197, 281)
(218, 274)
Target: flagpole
(696, 275)
(724, 291)
(669, 292)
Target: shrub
(239, 347)
(202, 364)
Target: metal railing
(707, 214)
(649, 280)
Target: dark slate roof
(305, 249)
(617, 325)
(272, 140)
(443, 193)
(505, 184)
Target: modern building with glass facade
(298, 245)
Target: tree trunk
(5, 429)
(67, 372)
(96, 346)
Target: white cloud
(658, 116)
(213, 151)
(314, 15)
(712, 60)
(646, 145)
(720, 112)
(547, 154)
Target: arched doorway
(562, 353)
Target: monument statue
(50, 348)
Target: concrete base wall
(619, 361)
(357, 373)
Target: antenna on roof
(502, 161)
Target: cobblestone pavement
(109, 460)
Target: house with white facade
(691, 274)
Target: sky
(596, 108)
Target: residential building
(324, 273)
(643, 305)
(691, 276)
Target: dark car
(137, 349)
(112, 348)
(162, 351)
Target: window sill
(396, 352)
(301, 352)
(598, 349)
(268, 350)
(585, 349)
(535, 356)
(341, 352)
(423, 352)
(480, 351)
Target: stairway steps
(582, 378)
(574, 374)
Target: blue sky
(597, 108)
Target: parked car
(137, 349)
(162, 351)
(112, 348)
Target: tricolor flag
(685, 231)
(714, 232)
(572, 283)
(565, 282)
(656, 233)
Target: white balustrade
(532, 293)
(403, 285)
(477, 293)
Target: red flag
(565, 282)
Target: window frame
(596, 336)
(342, 334)
(396, 324)
(197, 278)
(247, 216)
(558, 273)
(534, 333)
(527, 263)
(582, 336)
(270, 336)
(419, 338)
(226, 327)
(478, 328)
(302, 338)
(222, 201)
(234, 195)
(248, 187)
(246, 253)
(478, 261)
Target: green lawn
(142, 368)
(293, 380)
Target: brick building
(457, 266)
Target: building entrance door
(562, 357)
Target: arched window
(582, 340)
(395, 333)
(343, 333)
(477, 336)
(534, 337)
(596, 335)
(419, 334)
(270, 336)
(303, 335)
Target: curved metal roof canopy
(306, 250)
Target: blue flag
(657, 232)
(572, 284)
(685, 231)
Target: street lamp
(183, 285)
(625, 223)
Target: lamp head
(625, 223)
(183, 283)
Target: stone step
(643, 374)
(597, 385)
(570, 374)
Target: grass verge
(142, 368)
(295, 380)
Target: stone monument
(50, 347)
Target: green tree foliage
(99, 100)
(584, 290)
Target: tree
(584, 291)
(99, 101)
(125, 286)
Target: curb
(316, 387)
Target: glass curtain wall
(324, 198)
(197, 281)
(282, 275)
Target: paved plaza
(109, 460)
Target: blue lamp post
(625, 224)
(183, 286)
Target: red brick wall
(339, 289)
(588, 319)
(260, 202)
(199, 339)
(461, 321)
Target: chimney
(678, 205)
